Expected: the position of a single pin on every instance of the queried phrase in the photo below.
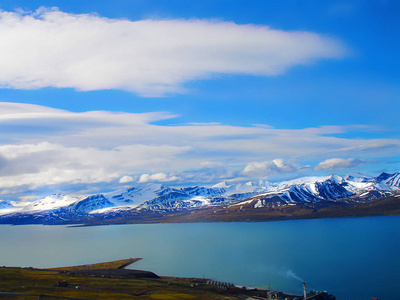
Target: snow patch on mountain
(51, 202)
(221, 185)
(90, 204)
(135, 195)
(394, 180)
(358, 177)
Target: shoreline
(80, 281)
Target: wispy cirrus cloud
(51, 48)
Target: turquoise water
(351, 258)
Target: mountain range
(150, 201)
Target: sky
(95, 95)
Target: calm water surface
(351, 258)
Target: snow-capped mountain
(50, 202)
(135, 195)
(358, 177)
(393, 180)
(303, 190)
(358, 186)
(157, 197)
(90, 204)
(152, 197)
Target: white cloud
(266, 168)
(50, 48)
(338, 163)
(41, 146)
(126, 179)
(161, 177)
(49, 164)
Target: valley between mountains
(304, 198)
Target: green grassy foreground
(44, 282)
(117, 264)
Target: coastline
(383, 207)
(111, 280)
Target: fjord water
(351, 258)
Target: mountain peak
(336, 178)
(393, 180)
(358, 177)
(383, 176)
(144, 197)
(222, 184)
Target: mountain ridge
(145, 198)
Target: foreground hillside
(28, 283)
(309, 197)
(110, 280)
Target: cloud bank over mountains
(42, 146)
(51, 48)
(46, 148)
(275, 166)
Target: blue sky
(97, 94)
